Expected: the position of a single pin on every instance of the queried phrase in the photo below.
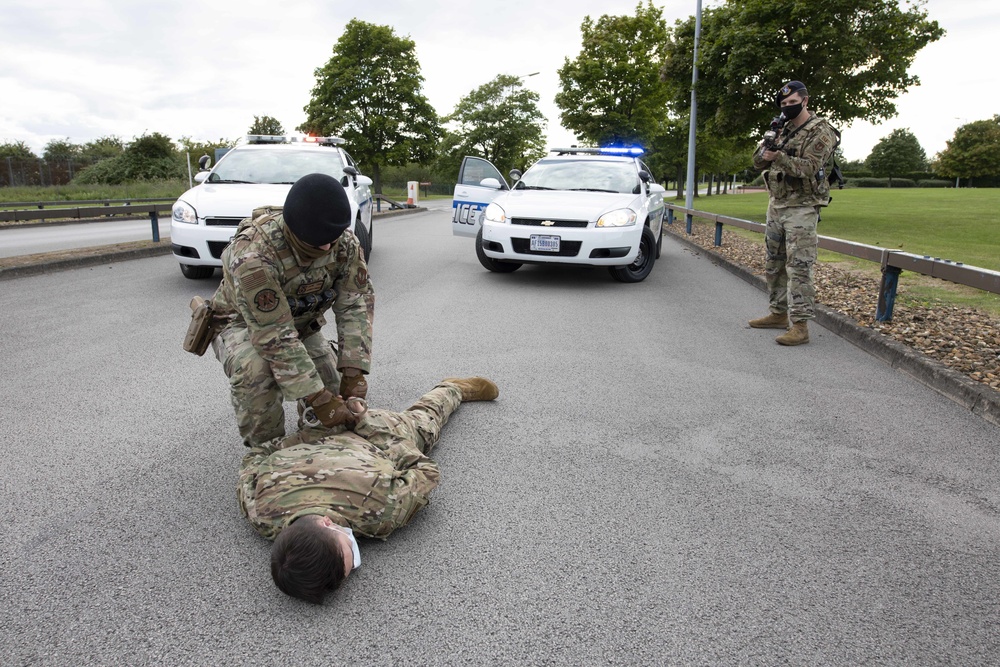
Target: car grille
(537, 222)
(223, 222)
(566, 248)
(216, 248)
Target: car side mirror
(200, 177)
(490, 183)
(515, 174)
(645, 176)
(351, 171)
(204, 162)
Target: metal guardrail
(71, 202)
(893, 262)
(78, 213)
(393, 204)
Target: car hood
(234, 200)
(564, 205)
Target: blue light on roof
(622, 150)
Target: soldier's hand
(330, 410)
(353, 386)
(770, 155)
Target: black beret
(317, 209)
(788, 89)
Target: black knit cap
(317, 209)
(787, 90)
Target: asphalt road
(15, 241)
(657, 484)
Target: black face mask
(792, 110)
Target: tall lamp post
(689, 198)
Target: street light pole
(689, 198)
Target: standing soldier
(284, 268)
(795, 173)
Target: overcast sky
(83, 69)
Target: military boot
(771, 321)
(797, 335)
(475, 389)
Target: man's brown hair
(306, 561)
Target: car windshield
(276, 166)
(589, 175)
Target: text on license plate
(544, 243)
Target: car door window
(475, 169)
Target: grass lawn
(961, 225)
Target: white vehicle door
(654, 202)
(479, 183)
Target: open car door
(479, 183)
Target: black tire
(494, 265)
(363, 238)
(192, 272)
(638, 270)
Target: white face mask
(354, 547)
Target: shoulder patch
(266, 300)
(253, 280)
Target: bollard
(154, 220)
(718, 233)
(670, 216)
(412, 193)
(689, 220)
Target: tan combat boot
(475, 389)
(771, 321)
(797, 335)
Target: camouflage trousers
(255, 394)
(791, 244)
(420, 424)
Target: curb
(951, 384)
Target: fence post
(670, 216)
(689, 221)
(154, 220)
(887, 293)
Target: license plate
(544, 243)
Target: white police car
(258, 172)
(590, 206)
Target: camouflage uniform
(272, 349)
(797, 194)
(372, 480)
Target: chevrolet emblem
(547, 223)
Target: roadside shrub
(935, 183)
(903, 183)
(868, 182)
(149, 157)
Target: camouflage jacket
(373, 484)
(266, 289)
(794, 178)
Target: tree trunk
(718, 184)
(680, 182)
(377, 178)
(725, 185)
(708, 190)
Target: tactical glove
(353, 386)
(330, 410)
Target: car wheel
(494, 265)
(363, 239)
(643, 264)
(197, 272)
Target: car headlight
(623, 217)
(183, 212)
(494, 213)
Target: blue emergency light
(622, 150)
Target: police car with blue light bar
(584, 206)
(258, 172)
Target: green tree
(612, 92)
(854, 56)
(61, 149)
(266, 125)
(148, 157)
(193, 150)
(499, 121)
(17, 150)
(973, 152)
(102, 148)
(896, 154)
(369, 92)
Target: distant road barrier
(39, 212)
(893, 262)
